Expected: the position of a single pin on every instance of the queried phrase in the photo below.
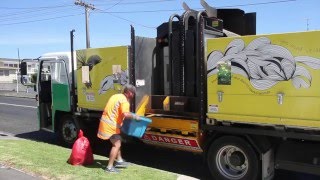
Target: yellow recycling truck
(248, 103)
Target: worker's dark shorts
(115, 138)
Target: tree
(34, 78)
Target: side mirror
(23, 68)
(28, 77)
(23, 72)
(35, 88)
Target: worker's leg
(119, 157)
(116, 144)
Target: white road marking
(18, 105)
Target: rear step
(299, 156)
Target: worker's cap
(129, 87)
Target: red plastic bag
(81, 151)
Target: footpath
(14, 174)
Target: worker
(116, 110)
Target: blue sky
(40, 26)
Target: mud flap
(268, 165)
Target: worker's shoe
(112, 170)
(122, 164)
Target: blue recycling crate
(135, 128)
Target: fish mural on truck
(264, 64)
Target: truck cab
(53, 90)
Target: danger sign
(189, 143)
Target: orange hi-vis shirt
(112, 116)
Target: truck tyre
(232, 158)
(68, 130)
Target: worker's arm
(129, 115)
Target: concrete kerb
(6, 136)
(184, 177)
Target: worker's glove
(137, 118)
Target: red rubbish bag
(81, 151)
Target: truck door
(143, 66)
(53, 91)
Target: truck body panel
(94, 94)
(265, 79)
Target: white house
(9, 69)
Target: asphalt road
(18, 116)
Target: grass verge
(50, 162)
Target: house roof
(8, 60)
(8, 68)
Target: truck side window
(45, 72)
(224, 73)
(59, 73)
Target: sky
(30, 28)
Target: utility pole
(307, 24)
(18, 71)
(87, 7)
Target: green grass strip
(50, 162)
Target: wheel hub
(237, 159)
(69, 131)
(232, 162)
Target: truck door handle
(280, 98)
(220, 96)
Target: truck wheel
(233, 158)
(68, 131)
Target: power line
(119, 12)
(169, 10)
(262, 3)
(31, 14)
(23, 22)
(38, 7)
(150, 27)
(19, 13)
(138, 2)
(145, 11)
(114, 4)
(153, 11)
(130, 21)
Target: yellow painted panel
(302, 123)
(174, 124)
(246, 119)
(247, 105)
(95, 95)
(264, 67)
(304, 108)
(298, 123)
(141, 108)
